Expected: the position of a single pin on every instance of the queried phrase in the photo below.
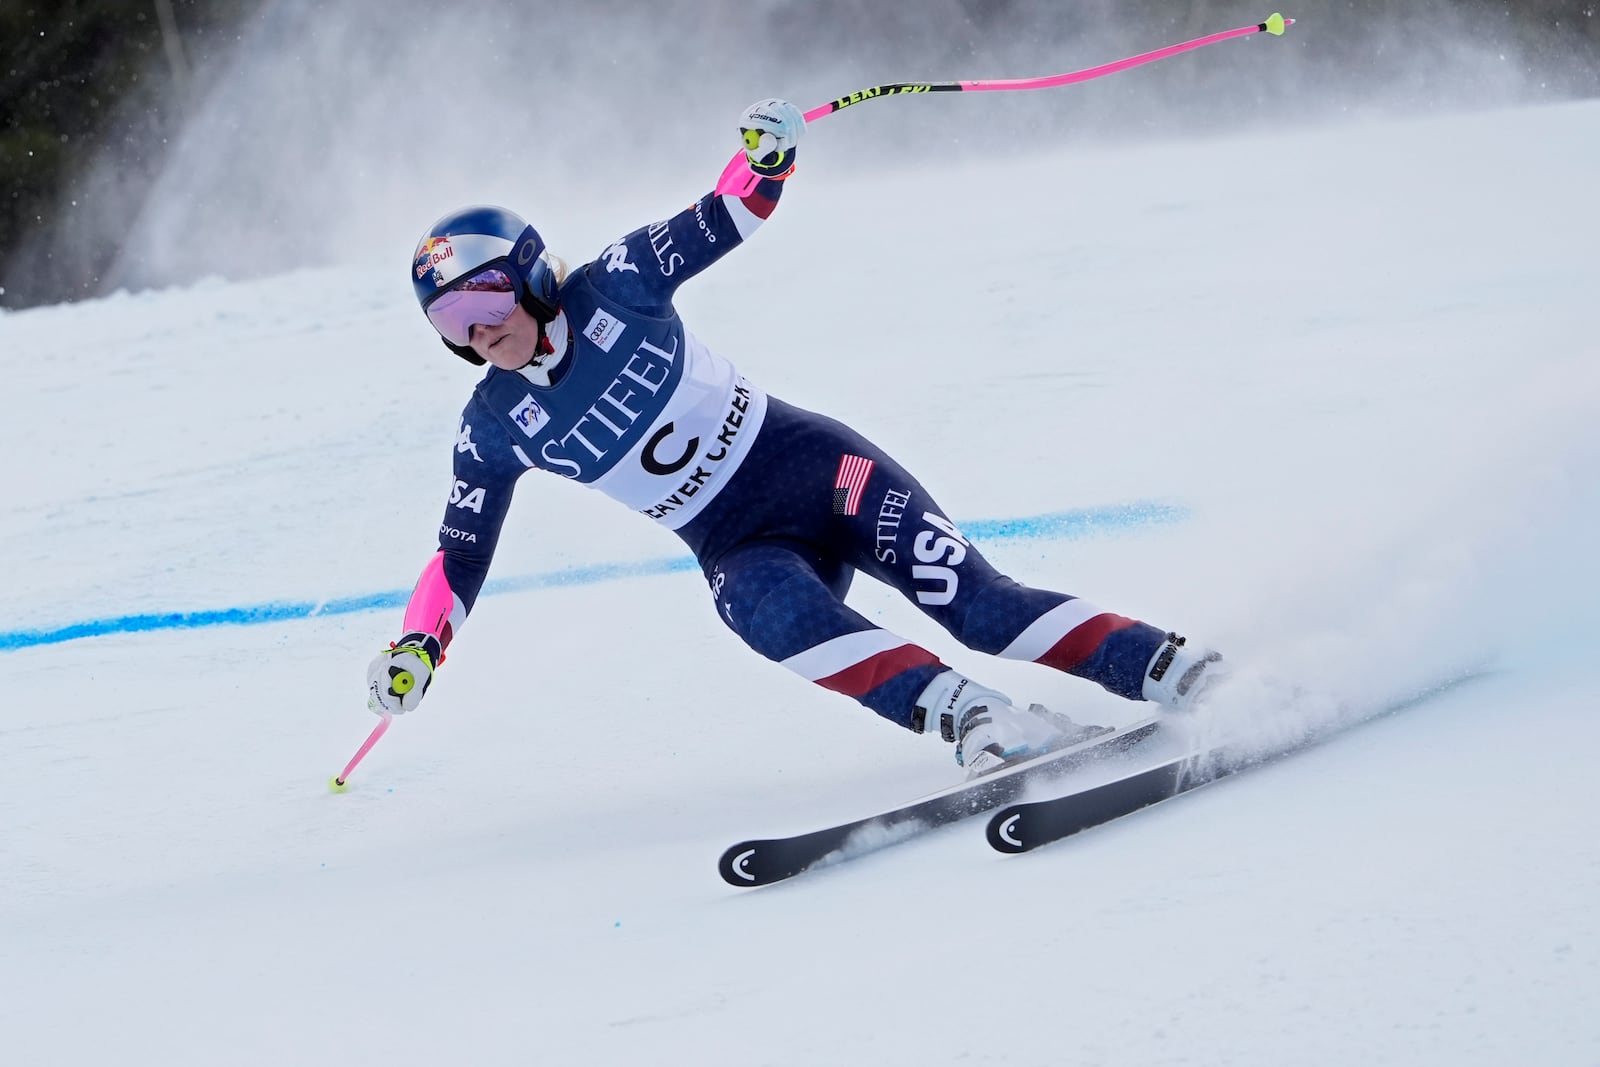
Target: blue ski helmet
(466, 242)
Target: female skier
(592, 376)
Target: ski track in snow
(1361, 361)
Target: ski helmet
(482, 251)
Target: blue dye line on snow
(1058, 526)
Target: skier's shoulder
(482, 440)
(625, 273)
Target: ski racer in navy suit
(594, 377)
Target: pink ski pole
(340, 782)
(738, 180)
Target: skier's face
(509, 345)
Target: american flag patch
(850, 483)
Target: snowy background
(1350, 373)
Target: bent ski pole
(738, 180)
(340, 782)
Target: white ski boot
(989, 731)
(1179, 674)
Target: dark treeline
(80, 77)
(86, 79)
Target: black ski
(1021, 827)
(1024, 826)
(760, 862)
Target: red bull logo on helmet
(432, 252)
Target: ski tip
(734, 866)
(1002, 831)
(1276, 24)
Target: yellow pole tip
(1276, 23)
(336, 786)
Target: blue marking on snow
(1056, 526)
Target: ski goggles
(484, 298)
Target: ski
(764, 861)
(1024, 826)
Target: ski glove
(770, 130)
(399, 675)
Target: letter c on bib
(655, 466)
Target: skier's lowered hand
(398, 677)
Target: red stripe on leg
(758, 205)
(858, 679)
(1082, 641)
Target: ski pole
(738, 180)
(340, 782)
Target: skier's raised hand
(770, 129)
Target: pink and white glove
(398, 677)
(770, 130)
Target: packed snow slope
(1324, 399)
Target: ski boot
(1180, 674)
(988, 730)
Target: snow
(1344, 378)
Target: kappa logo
(464, 443)
(616, 258)
(529, 416)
